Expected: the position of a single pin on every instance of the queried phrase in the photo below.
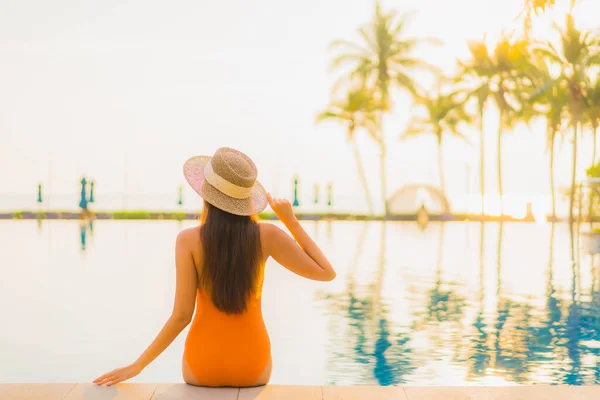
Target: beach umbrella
(296, 203)
(83, 202)
(92, 183)
(39, 193)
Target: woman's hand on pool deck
(282, 208)
(118, 375)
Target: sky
(125, 91)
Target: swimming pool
(452, 304)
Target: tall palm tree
(512, 73)
(475, 79)
(592, 117)
(549, 101)
(443, 115)
(356, 111)
(499, 77)
(592, 112)
(578, 52)
(557, 100)
(382, 60)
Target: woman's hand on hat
(282, 208)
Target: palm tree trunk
(574, 172)
(361, 173)
(594, 132)
(441, 166)
(481, 162)
(382, 157)
(592, 192)
(500, 191)
(552, 194)
(382, 153)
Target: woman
(220, 267)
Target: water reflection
(478, 354)
(512, 319)
(581, 334)
(444, 303)
(443, 314)
(364, 347)
(492, 333)
(410, 306)
(86, 227)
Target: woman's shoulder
(270, 232)
(267, 228)
(189, 237)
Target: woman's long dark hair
(232, 258)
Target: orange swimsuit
(227, 350)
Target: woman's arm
(304, 258)
(183, 309)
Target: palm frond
(416, 64)
(414, 131)
(371, 42)
(402, 20)
(543, 90)
(549, 52)
(595, 59)
(359, 59)
(330, 114)
(347, 44)
(408, 83)
(459, 135)
(481, 93)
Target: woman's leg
(188, 376)
(190, 379)
(264, 377)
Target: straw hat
(227, 180)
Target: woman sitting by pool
(220, 268)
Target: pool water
(451, 304)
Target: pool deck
(301, 215)
(179, 391)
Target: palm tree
(500, 76)
(512, 73)
(475, 76)
(557, 100)
(592, 112)
(531, 7)
(551, 103)
(592, 117)
(383, 60)
(443, 116)
(578, 52)
(356, 111)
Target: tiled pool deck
(133, 391)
